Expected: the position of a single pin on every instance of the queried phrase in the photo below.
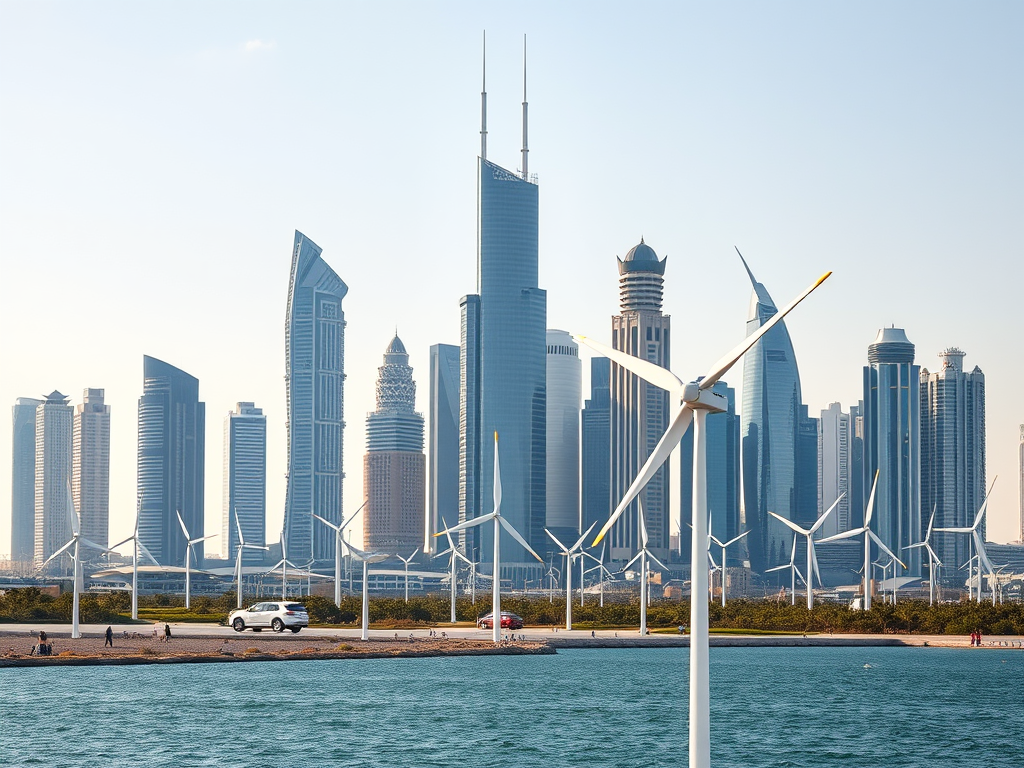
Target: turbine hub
(704, 399)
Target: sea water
(858, 707)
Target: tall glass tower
(245, 482)
(23, 481)
(53, 472)
(90, 475)
(172, 449)
(596, 446)
(443, 446)
(314, 344)
(564, 391)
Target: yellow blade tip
(823, 278)
(495, 435)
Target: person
(593, 633)
(156, 627)
(109, 638)
(167, 633)
(979, 637)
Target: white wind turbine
(454, 555)
(189, 543)
(499, 522)
(366, 558)
(723, 546)
(568, 554)
(283, 564)
(696, 400)
(406, 561)
(242, 546)
(795, 572)
(339, 542)
(933, 559)
(812, 557)
(136, 546)
(644, 556)
(979, 542)
(869, 536)
(601, 571)
(75, 544)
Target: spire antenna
(526, 150)
(483, 106)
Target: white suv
(277, 616)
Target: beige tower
(53, 473)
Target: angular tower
(314, 345)
(443, 442)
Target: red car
(508, 621)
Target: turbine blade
(789, 524)
(515, 535)
(75, 523)
(881, 545)
(979, 545)
(182, 524)
(561, 546)
(931, 522)
(871, 500)
(468, 524)
(821, 520)
(814, 562)
(779, 568)
(669, 441)
(984, 505)
(328, 523)
(656, 560)
(57, 553)
(643, 526)
(733, 541)
(635, 558)
(580, 540)
(202, 538)
(792, 555)
(414, 553)
(120, 543)
(719, 369)
(146, 552)
(844, 535)
(497, 477)
(94, 545)
(934, 556)
(648, 371)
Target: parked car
(508, 621)
(278, 616)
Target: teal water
(623, 707)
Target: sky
(156, 159)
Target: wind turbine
(136, 546)
(339, 531)
(567, 553)
(869, 536)
(933, 559)
(499, 522)
(601, 570)
(366, 558)
(696, 400)
(283, 563)
(644, 555)
(979, 542)
(406, 562)
(76, 541)
(190, 542)
(795, 572)
(812, 557)
(455, 554)
(238, 557)
(723, 546)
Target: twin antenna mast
(483, 112)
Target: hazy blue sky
(156, 158)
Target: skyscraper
(1020, 482)
(171, 472)
(53, 474)
(503, 359)
(245, 481)
(834, 460)
(639, 411)
(564, 383)
(90, 480)
(952, 451)
(771, 422)
(23, 480)
(314, 341)
(892, 441)
(596, 447)
(443, 445)
(393, 468)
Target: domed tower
(394, 468)
(639, 411)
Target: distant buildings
(1020, 481)
(90, 481)
(639, 411)
(245, 481)
(53, 426)
(892, 443)
(443, 442)
(835, 445)
(394, 464)
(171, 455)
(564, 382)
(314, 385)
(23, 480)
(595, 447)
(952, 452)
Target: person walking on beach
(109, 638)
(167, 633)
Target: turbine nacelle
(703, 399)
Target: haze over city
(157, 159)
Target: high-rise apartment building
(892, 443)
(394, 465)
(952, 452)
(53, 476)
(639, 411)
(23, 481)
(835, 443)
(245, 482)
(564, 382)
(596, 447)
(314, 340)
(776, 438)
(171, 469)
(90, 479)
(503, 365)
(443, 442)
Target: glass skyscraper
(90, 483)
(53, 473)
(596, 446)
(23, 481)
(443, 450)
(314, 340)
(245, 482)
(564, 391)
(172, 442)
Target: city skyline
(886, 152)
